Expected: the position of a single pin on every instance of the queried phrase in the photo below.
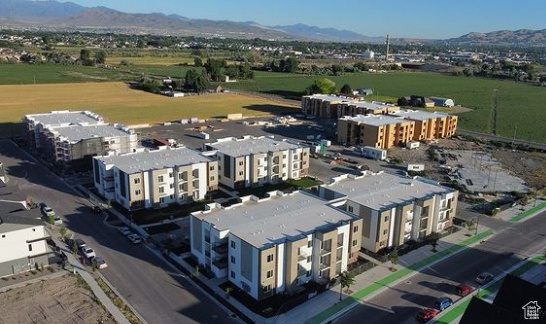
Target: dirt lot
(56, 300)
(531, 167)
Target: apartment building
(333, 106)
(37, 123)
(399, 128)
(72, 138)
(378, 131)
(155, 179)
(430, 125)
(394, 209)
(277, 244)
(254, 161)
(22, 239)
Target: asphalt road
(144, 280)
(401, 303)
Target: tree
(291, 65)
(100, 57)
(75, 248)
(346, 280)
(346, 89)
(214, 69)
(434, 237)
(140, 43)
(197, 61)
(402, 101)
(393, 257)
(322, 85)
(337, 69)
(63, 231)
(85, 57)
(195, 81)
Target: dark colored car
(96, 209)
(426, 315)
(463, 290)
(484, 278)
(443, 303)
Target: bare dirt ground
(531, 167)
(56, 300)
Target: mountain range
(57, 15)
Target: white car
(124, 230)
(100, 263)
(57, 221)
(135, 238)
(88, 252)
(48, 211)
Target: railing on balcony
(324, 266)
(220, 263)
(220, 248)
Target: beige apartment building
(365, 108)
(333, 106)
(393, 209)
(386, 131)
(254, 161)
(155, 179)
(276, 244)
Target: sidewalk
(101, 296)
(518, 212)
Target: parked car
(100, 263)
(426, 315)
(57, 220)
(135, 238)
(88, 252)
(124, 230)
(463, 290)
(96, 209)
(484, 278)
(443, 303)
(80, 243)
(46, 210)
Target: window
(233, 274)
(137, 180)
(30, 247)
(355, 242)
(309, 244)
(212, 178)
(385, 232)
(160, 178)
(309, 259)
(241, 173)
(350, 209)
(161, 190)
(240, 163)
(269, 274)
(211, 168)
(270, 258)
(170, 174)
(171, 197)
(3, 235)
(386, 218)
(232, 259)
(267, 288)
(171, 185)
(355, 229)
(180, 176)
(161, 200)
(308, 273)
(137, 192)
(232, 244)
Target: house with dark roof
(22, 239)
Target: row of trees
(216, 69)
(327, 86)
(98, 58)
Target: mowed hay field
(117, 103)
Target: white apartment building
(268, 246)
(155, 178)
(254, 161)
(22, 239)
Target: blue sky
(400, 18)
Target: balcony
(302, 256)
(220, 248)
(220, 263)
(324, 266)
(207, 238)
(302, 272)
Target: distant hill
(523, 37)
(330, 34)
(37, 11)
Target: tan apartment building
(155, 179)
(277, 244)
(333, 106)
(378, 131)
(394, 209)
(365, 108)
(386, 131)
(253, 161)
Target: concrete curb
(347, 309)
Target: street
(400, 303)
(149, 285)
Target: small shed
(442, 102)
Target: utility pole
(495, 112)
(387, 50)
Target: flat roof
(77, 133)
(372, 105)
(375, 120)
(419, 114)
(250, 145)
(66, 118)
(154, 160)
(383, 190)
(332, 98)
(14, 216)
(277, 219)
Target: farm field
(117, 103)
(521, 107)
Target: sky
(399, 18)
